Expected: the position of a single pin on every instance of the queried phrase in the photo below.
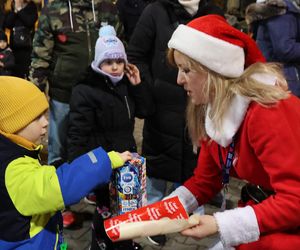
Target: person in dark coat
(103, 107)
(129, 13)
(166, 145)
(20, 20)
(277, 32)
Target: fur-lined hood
(269, 8)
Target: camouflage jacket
(64, 42)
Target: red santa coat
(267, 153)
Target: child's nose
(115, 66)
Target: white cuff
(186, 197)
(237, 226)
(219, 246)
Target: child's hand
(1, 64)
(126, 156)
(118, 159)
(133, 74)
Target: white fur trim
(191, 6)
(232, 120)
(264, 78)
(218, 55)
(237, 226)
(234, 115)
(219, 246)
(186, 197)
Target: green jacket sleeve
(34, 189)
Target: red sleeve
(274, 134)
(206, 181)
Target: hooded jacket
(166, 143)
(32, 194)
(102, 114)
(64, 42)
(278, 35)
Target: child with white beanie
(103, 108)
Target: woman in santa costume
(247, 123)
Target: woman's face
(193, 82)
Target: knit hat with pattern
(108, 46)
(20, 103)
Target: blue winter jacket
(32, 194)
(278, 37)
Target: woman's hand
(207, 226)
(133, 74)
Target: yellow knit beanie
(20, 103)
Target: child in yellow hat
(32, 194)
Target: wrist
(116, 160)
(136, 83)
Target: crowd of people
(216, 82)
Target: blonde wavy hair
(220, 90)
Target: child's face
(114, 67)
(3, 44)
(35, 130)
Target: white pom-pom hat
(108, 46)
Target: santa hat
(211, 41)
(108, 46)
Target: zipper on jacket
(297, 74)
(70, 15)
(57, 238)
(128, 109)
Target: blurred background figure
(235, 13)
(129, 13)
(20, 20)
(7, 60)
(275, 25)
